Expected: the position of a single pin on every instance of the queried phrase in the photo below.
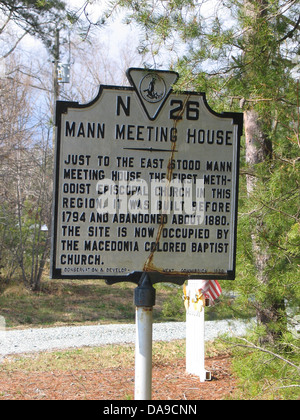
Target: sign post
(146, 186)
(144, 299)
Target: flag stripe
(215, 288)
(211, 289)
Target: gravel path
(35, 340)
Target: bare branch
(250, 345)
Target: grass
(83, 302)
(70, 302)
(108, 356)
(89, 302)
(265, 377)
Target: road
(45, 339)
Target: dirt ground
(169, 382)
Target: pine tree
(242, 55)
(35, 17)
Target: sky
(113, 39)
(116, 43)
(116, 31)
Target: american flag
(211, 289)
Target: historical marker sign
(146, 180)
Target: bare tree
(26, 187)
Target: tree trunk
(269, 309)
(256, 153)
(269, 312)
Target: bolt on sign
(146, 180)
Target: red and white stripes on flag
(211, 289)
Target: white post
(144, 298)
(195, 333)
(143, 354)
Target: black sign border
(62, 107)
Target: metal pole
(56, 53)
(56, 62)
(144, 301)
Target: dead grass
(107, 373)
(67, 302)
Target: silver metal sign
(146, 180)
